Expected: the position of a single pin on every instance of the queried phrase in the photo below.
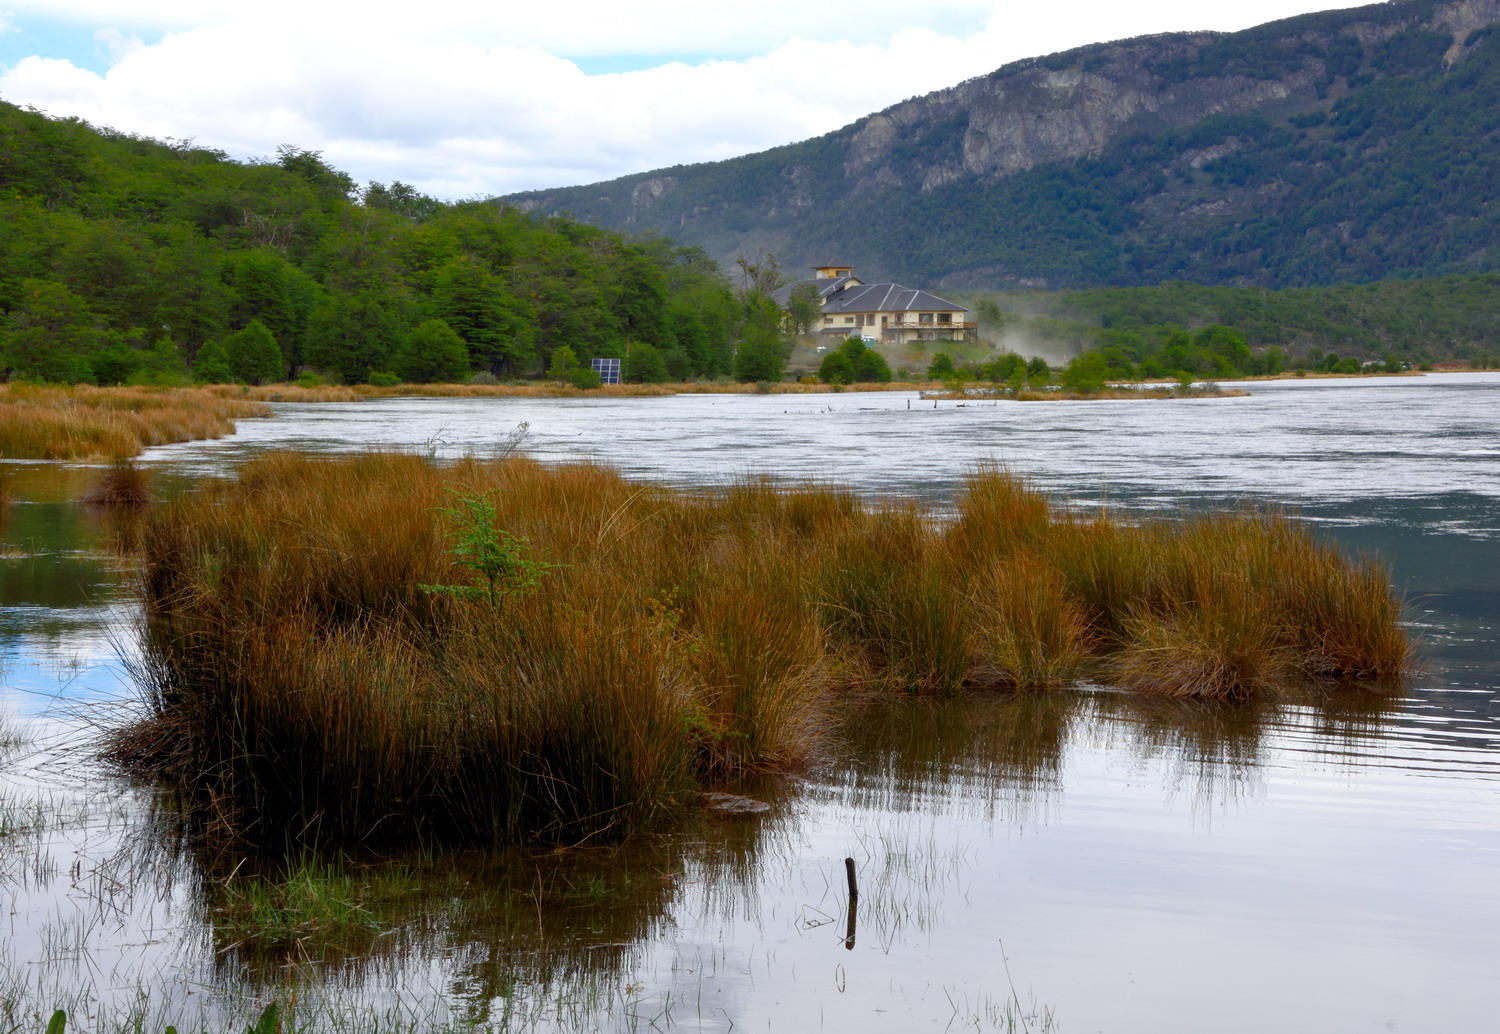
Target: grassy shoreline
(322, 657)
(84, 422)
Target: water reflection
(1000, 754)
(560, 940)
(1323, 861)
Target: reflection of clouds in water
(51, 660)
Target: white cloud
(116, 42)
(570, 27)
(465, 99)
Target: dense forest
(1340, 147)
(131, 260)
(1411, 321)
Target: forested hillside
(1413, 321)
(130, 259)
(1345, 146)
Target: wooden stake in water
(853, 904)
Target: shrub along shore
(382, 648)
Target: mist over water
(1084, 861)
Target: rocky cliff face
(1209, 112)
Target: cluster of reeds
(336, 646)
(121, 485)
(82, 422)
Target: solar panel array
(607, 369)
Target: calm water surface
(1084, 862)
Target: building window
(945, 317)
(924, 317)
(848, 319)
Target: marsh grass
(121, 485)
(316, 910)
(64, 423)
(302, 683)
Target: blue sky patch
(53, 37)
(610, 64)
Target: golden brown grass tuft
(57, 423)
(304, 676)
(122, 484)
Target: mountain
(1343, 146)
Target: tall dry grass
(302, 680)
(82, 422)
(122, 485)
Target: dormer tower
(832, 272)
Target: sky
(478, 99)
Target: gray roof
(846, 294)
(826, 285)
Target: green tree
(643, 365)
(162, 365)
(641, 302)
(563, 364)
(679, 364)
(1271, 361)
(1038, 372)
(503, 561)
(804, 308)
(1227, 346)
(264, 286)
(941, 367)
(331, 184)
(433, 354)
(498, 327)
(990, 315)
(762, 351)
(50, 335)
(212, 365)
(352, 334)
(870, 366)
(114, 364)
(853, 361)
(1085, 373)
(836, 368)
(1003, 368)
(253, 355)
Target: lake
(1076, 861)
